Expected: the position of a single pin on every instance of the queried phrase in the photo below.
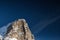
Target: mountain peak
(18, 30)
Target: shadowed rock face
(8, 29)
(19, 30)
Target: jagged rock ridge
(18, 30)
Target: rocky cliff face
(18, 30)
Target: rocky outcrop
(18, 30)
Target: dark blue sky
(42, 16)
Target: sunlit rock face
(18, 30)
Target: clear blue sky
(42, 16)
